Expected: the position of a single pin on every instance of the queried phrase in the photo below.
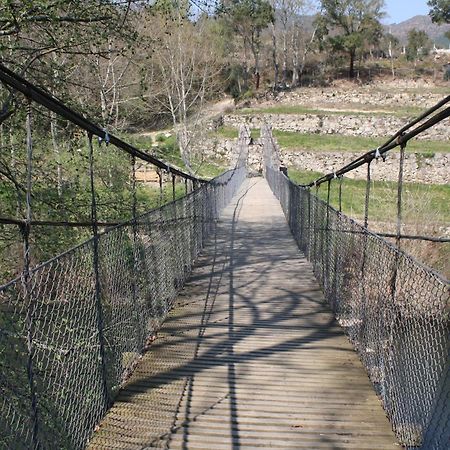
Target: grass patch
(137, 140)
(336, 142)
(211, 168)
(425, 211)
(422, 203)
(226, 132)
(353, 110)
(255, 133)
(233, 133)
(168, 151)
(287, 109)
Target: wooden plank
(250, 357)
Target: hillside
(399, 30)
(436, 32)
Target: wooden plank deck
(250, 357)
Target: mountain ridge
(420, 22)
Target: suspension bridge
(248, 313)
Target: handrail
(42, 97)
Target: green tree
(249, 18)
(418, 44)
(440, 11)
(348, 24)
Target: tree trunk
(295, 58)
(255, 51)
(245, 66)
(285, 57)
(183, 143)
(351, 71)
(104, 107)
(392, 59)
(53, 133)
(257, 76)
(245, 77)
(274, 58)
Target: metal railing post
(97, 286)
(27, 285)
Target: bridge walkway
(249, 357)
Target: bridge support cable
(137, 308)
(73, 328)
(399, 194)
(161, 187)
(60, 111)
(29, 300)
(41, 97)
(97, 282)
(367, 196)
(393, 308)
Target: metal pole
(139, 319)
(173, 187)
(328, 203)
(367, 199)
(160, 187)
(399, 194)
(97, 292)
(26, 282)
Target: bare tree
(302, 43)
(110, 70)
(295, 41)
(185, 58)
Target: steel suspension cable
(43, 98)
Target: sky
(400, 10)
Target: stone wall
(380, 95)
(418, 168)
(348, 125)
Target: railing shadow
(393, 309)
(227, 258)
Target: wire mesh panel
(394, 310)
(86, 334)
(15, 419)
(65, 353)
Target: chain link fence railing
(394, 310)
(80, 321)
